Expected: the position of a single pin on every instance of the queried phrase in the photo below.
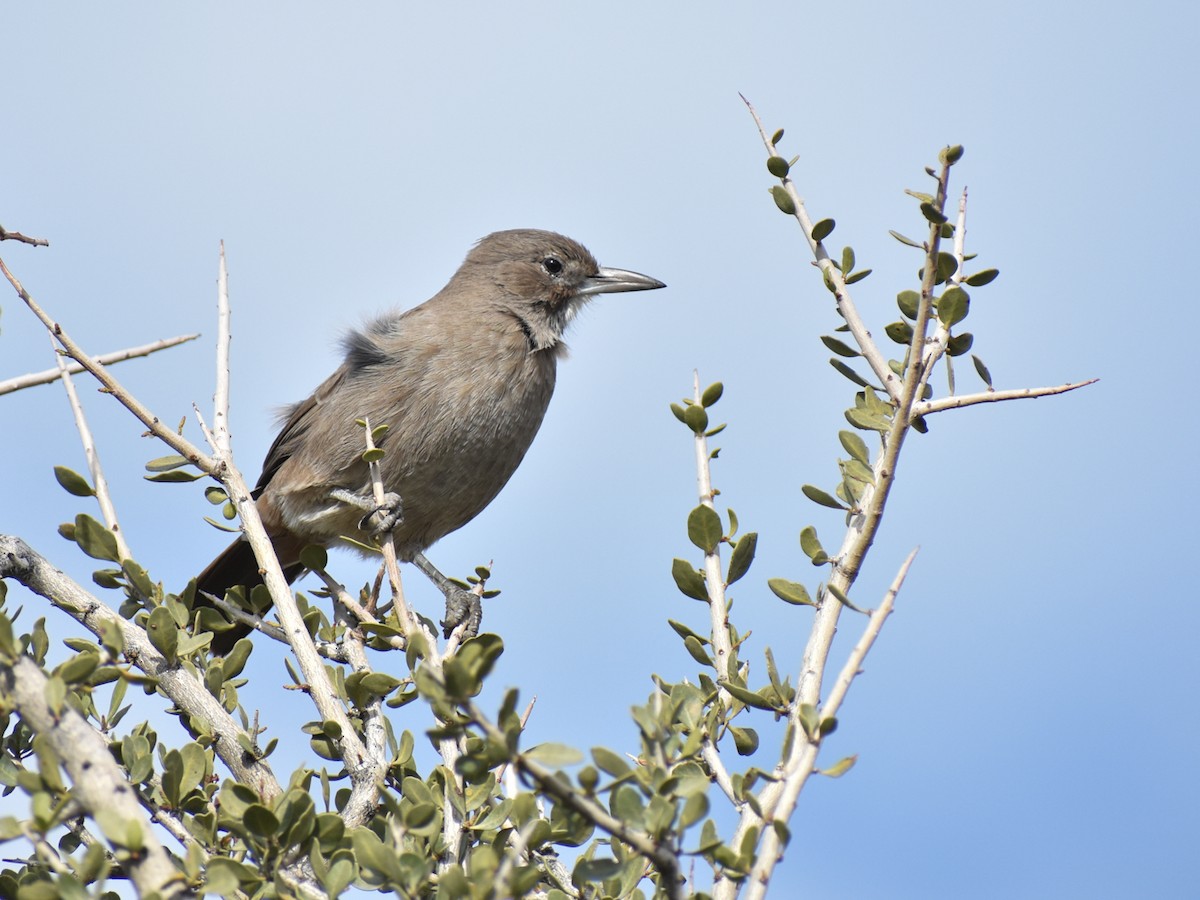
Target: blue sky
(1027, 724)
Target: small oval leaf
(704, 528)
(823, 229)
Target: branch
(105, 359)
(221, 467)
(928, 407)
(6, 235)
(646, 846)
(99, 483)
(221, 394)
(98, 782)
(834, 277)
(714, 579)
(181, 685)
(770, 852)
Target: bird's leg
(461, 605)
(380, 518)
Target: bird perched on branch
(462, 382)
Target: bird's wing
(296, 421)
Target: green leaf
(847, 260)
(947, 265)
(848, 372)
(375, 454)
(594, 871)
(855, 446)
(554, 755)
(745, 740)
(790, 592)
(982, 370)
(747, 696)
(841, 767)
(953, 306)
(78, 667)
(94, 539)
(742, 557)
(696, 418)
(908, 301)
(856, 277)
(823, 229)
(684, 632)
(900, 332)
(932, 213)
(704, 528)
(816, 495)
(867, 421)
(72, 482)
(783, 200)
(697, 651)
(812, 546)
(838, 347)
(777, 166)
(907, 240)
(776, 138)
(842, 598)
(960, 343)
(677, 412)
(166, 463)
(176, 477)
(689, 581)
(612, 763)
(260, 821)
(979, 279)
(950, 155)
(163, 633)
(712, 394)
(808, 718)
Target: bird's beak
(614, 281)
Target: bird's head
(544, 278)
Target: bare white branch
(714, 580)
(99, 483)
(104, 359)
(928, 407)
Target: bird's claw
(462, 606)
(385, 517)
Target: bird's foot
(385, 517)
(381, 517)
(462, 605)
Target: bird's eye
(552, 264)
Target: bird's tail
(237, 567)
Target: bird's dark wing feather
(296, 420)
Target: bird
(462, 381)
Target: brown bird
(462, 381)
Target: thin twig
(714, 580)
(928, 407)
(99, 483)
(104, 359)
(224, 334)
(834, 276)
(6, 235)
